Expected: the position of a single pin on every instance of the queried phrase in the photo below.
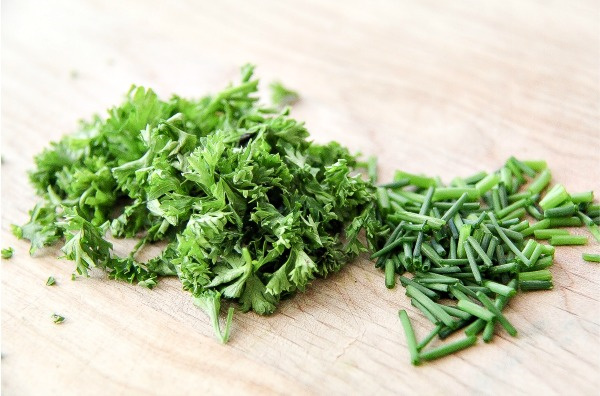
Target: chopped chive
(429, 305)
(519, 196)
(529, 248)
(540, 225)
(464, 233)
(565, 222)
(448, 331)
(396, 184)
(503, 268)
(534, 212)
(409, 333)
(445, 193)
(536, 165)
(549, 233)
(508, 242)
(475, 310)
(458, 294)
(455, 312)
(582, 197)
(526, 169)
(542, 263)
(399, 241)
(595, 258)
(390, 274)
(453, 231)
(515, 214)
(488, 331)
(516, 173)
(472, 263)
(427, 202)
(475, 178)
(487, 183)
(475, 328)
(565, 210)
(592, 227)
(482, 254)
(492, 247)
(455, 207)
(448, 349)
(505, 179)
(446, 270)
(415, 180)
(425, 341)
(419, 219)
(520, 226)
(372, 169)
(512, 207)
(560, 240)
(382, 198)
(535, 285)
(500, 289)
(541, 275)
(496, 203)
(537, 252)
(549, 249)
(487, 303)
(513, 235)
(554, 197)
(424, 311)
(430, 253)
(408, 282)
(540, 183)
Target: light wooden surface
(446, 88)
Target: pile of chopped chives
(471, 246)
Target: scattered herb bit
(251, 210)
(476, 253)
(57, 318)
(282, 96)
(73, 276)
(591, 257)
(51, 281)
(7, 253)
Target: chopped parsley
(7, 253)
(251, 209)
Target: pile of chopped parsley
(251, 211)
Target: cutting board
(435, 87)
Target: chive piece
(409, 333)
(429, 305)
(399, 241)
(526, 169)
(500, 289)
(382, 198)
(453, 231)
(542, 263)
(415, 180)
(488, 331)
(395, 234)
(540, 183)
(513, 235)
(505, 179)
(593, 258)
(475, 310)
(536, 165)
(554, 197)
(427, 203)
(485, 300)
(566, 210)
(408, 282)
(472, 263)
(565, 222)
(457, 313)
(549, 249)
(430, 253)
(535, 285)
(464, 233)
(516, 173)
(534, 212)
(482, 254)
(448, 331)
(475, 328)
(372, 169)
(458, 294)
(512, 207)
(520, 226)
(455, 208)
(549, 233)
(444, 193)
(508, 242)
(560, 240)
(396, 184)
(448, 349)
(537, 252)
(419, 219)
(582, 197)
(475, 178)
(541, 275)
(390, 274)
(424, 311)
(486, 184)
(446, 270)
(592, 227)
(540, 225)
(496, 203)
(529, 248)
(503, 268)
(492, 247)
(425, 341)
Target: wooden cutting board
(444, 88)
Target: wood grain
(446, 88)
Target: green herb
(51, 281)
(57, 319)
(282, 96)
(448, 349)
(558, 240)
(410, 337)
(250, 210)
(591, 257)
(7, 253)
